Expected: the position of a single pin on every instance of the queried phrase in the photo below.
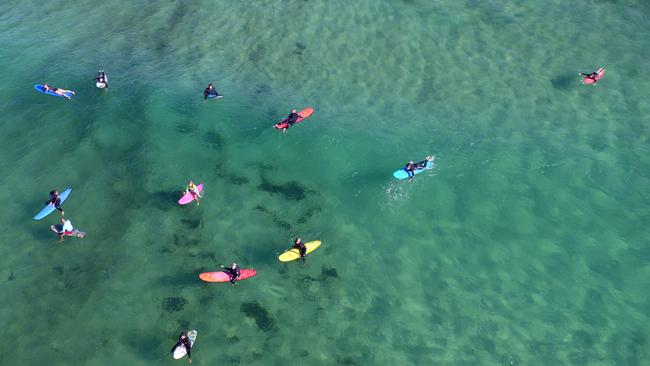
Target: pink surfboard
(222, 276)
(304, 114)
(189, 197)
(601, 73)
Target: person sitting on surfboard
(210, 91)
(302, 249)
(290, 120)
(63, 230)
(191, 188)
(101, 78)
(593, 76)
(55, 200)
(57, 91)
(234, 272)
(184, 340)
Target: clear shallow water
(527, 245)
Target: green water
(527, 245)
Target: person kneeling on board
(210, 91)
(233, 271)
(302, 249)
(192, 188)
(184, 340)
(65, 229)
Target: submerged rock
(174, 303)
(262, 317)
(292, 190)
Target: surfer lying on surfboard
(191, 188)
(57, 91)
(411, 167)
(184, 340)
(234, 272)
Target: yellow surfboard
(293, 253)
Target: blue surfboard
(214, 96)
(40, 88)
(50, 207)
(403, 174)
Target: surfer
(101, 78)
(57, 91)
(302, 249)
(411, 167)
(290, 120)
(593, 76)
(55, 200)
(233, 271)
(194, 190)
(65, 229)
(184, 340)
(210, 91)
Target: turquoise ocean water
(526, 245)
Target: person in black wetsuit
(593, 76)
(411, 167)
(55, 200)
(210, 91)
(233, 271)
(292, 118)
(302, 249)
(101, 78)
(184, 340)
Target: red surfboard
(222, 276)
(304, 114)
(601, 73)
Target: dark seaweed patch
(262, 88)
(262, 317)
(192, 224)
(174, 303)
(178, 241)
(233, 340)
(277, 221)
(185, 127)
(236, 179)
(58, 270)
(163, 198)
(292, 190)
(213, 139)
(11, 277)
(183, 324)
(308, 214)
(563, 81)
(328, 272)
(300, 48)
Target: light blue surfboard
(50, 207)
